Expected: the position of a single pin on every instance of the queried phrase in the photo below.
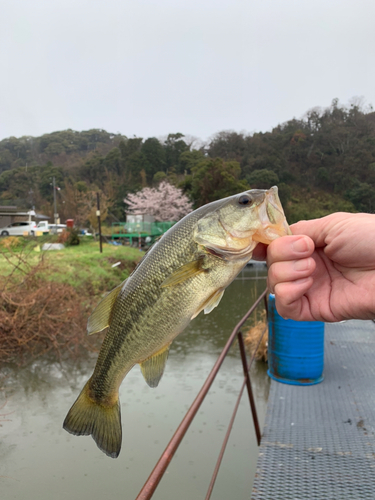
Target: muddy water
(39, 460)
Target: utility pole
(100, 227)
(31, 193)
(55, 215)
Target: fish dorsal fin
(101, 316)
(153, 368)
(185, 272)
(212, 302)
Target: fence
(144, 228)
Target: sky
(147, 68)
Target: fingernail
(300, 245)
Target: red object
(70, 223)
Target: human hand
(326, 270)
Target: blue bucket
(295, 349)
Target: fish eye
(245, 200)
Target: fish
(185, 272)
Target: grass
(81, 266)
(85, 266)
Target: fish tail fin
(86, 417)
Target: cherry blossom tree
(165, 202)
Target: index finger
(291, 247)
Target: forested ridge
(322, 163)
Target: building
(10, 214)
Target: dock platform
(319, 441)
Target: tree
(154, 157)
(47, 172)
(189, 159)
(165, 202)
(81, 204)
(130, 146)
(262, 179)
(215, 179)
(113, 161)
(228, 145)
(362, 197)
(174, 147)
(158, 177)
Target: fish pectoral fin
(101, 316)
(212, 302)
(153, 367)
(185, 272)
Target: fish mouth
(232, 253)
(272, 218)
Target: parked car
(46, 226)
(19, 228)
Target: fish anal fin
(185, 272)
(102, 314)
(212, 302)
(153, 367)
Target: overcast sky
(152, 67)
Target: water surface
(39, 460)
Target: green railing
(134, 230)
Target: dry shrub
(252, 339)
(68, 237)
(37, 316)
(63, 237)
(9, 242)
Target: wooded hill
(322, 163)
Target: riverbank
(47, 296)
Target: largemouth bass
(184, 273)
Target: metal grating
(319, 441)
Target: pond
(39, 460)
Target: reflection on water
(39, 460)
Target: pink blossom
(165, 202)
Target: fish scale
(186, 271)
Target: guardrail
(156, 475)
